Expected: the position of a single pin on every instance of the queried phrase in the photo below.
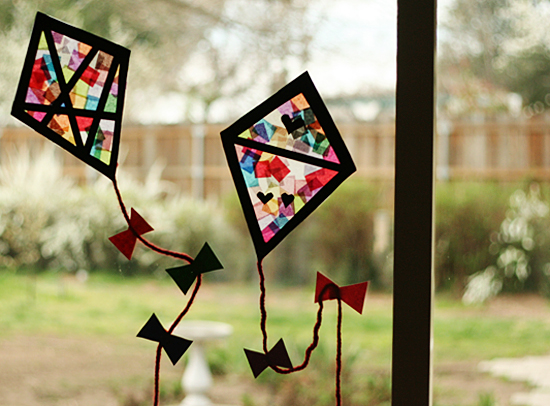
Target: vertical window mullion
(414, 186)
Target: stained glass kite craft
(286, 157)
(72, 89)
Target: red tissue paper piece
(276, 357)
(126, 240)
(353, 295)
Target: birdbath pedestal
(197, 379)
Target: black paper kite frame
(121, 56)
(230, 136)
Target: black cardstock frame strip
(230, 137)
(121, 56)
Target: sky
(356, 50)
(353, 52)
(361, 38)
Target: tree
(234, 44)
(498, 46)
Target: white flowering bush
(47, 222)
(522, 249)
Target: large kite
(286, 157)
(71, 91)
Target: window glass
(492, 201)
(71, 304)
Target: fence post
(197, 161)
(444, 128)
(150, 142)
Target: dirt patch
(524, 306)
(65, 371)
(53, 371)
(461, 383)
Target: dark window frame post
(414, 187)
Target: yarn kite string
(170, 331)
(148, 244)
(173, 254)
(338, 392)
(314, 343)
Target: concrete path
(533, 370)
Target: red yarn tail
(263, 326)
(338, 390)
(170, 331)
(173, 254)
(314, 343)
(150, 245)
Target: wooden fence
(193, 157)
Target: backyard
(71, 304)
(65, 342)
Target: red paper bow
(353, 295)
(126, 240)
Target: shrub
(46, 222)
(520, 248)
(342, 232)
(466, 215)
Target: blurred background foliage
(492, 51)
(493, 59)
(482, 229)
(179, 47)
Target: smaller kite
(286, 157)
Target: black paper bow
(206, 261)
(276, 357)
(174, 346)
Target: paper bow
(353, 295)
(205, 261)
(174, 346)
(126, 240)
(276, 357)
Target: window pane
(71, 304)
(492, 200)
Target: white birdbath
(197, 379)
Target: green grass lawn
(116, 306)
(112, 307)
